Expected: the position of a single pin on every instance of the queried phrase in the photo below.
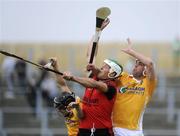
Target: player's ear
(144, 71)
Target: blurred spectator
(8, 66)
(15, 76)
(40, 80)
(20, 76)
(176, 54)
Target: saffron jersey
(72, 123)
(131, 100)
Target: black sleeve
(111, 92)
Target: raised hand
(90, 67)
(105, 23)
(129, 47)
(93, 68)
(67, 75)
(54, 63)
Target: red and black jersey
(97, 107)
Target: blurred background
(39, 29)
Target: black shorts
(98, 132)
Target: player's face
(103, 74)
(138, 69)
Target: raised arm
(60, 79)
(105, 23)
(150, 72)
(87, 82)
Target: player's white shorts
(126, 132)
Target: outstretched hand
(67, 75)
(105, 23)
(52, 62)
(126, 50)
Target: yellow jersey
(72, 123)
(131, 101)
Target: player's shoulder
(125, 75)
